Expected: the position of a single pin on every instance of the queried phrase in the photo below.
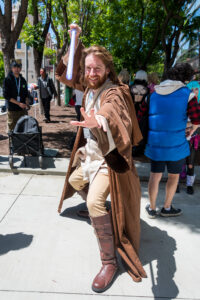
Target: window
(18, 44)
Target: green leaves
(32, 34)
(2, 72)
(50, 53)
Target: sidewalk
(47, 256)
(58, 166)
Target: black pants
(78, 112)
(46, 104)
(190, 161)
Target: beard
(98, 82)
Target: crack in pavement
(9, 209)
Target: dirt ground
(58, 134)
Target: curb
(51, 165)
(59, 166)
(32, 171)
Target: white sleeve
(111, 142)
(191, 96)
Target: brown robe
(118, 109)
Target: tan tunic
(117, 108)
(90, 156)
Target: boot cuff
(105, 219)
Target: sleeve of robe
(118, 110)
(61, 69)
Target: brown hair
(124, 76)
(153, 78)
(106, 58)
(181, 71)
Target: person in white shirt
(78, 103)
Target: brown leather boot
(104, 232)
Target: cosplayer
(194, 142)
(168, 109)
(101, 161)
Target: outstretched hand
(90, 120)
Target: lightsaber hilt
(71, 55)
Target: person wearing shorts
(169, 108)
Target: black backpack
(138, 92)
(26, 124)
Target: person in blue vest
(169, 108)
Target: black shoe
(150, 213)
(190, 190)
(173, 212)
(47, 120)
(178, 189)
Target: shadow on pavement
(3, 137)
(15, 241)
(157, 245)
(188, 203)
(34, 163)
(4, 159)
(71, 212)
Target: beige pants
(97, 194)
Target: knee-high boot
(104, 232)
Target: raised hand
(78, 30)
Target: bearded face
(96, 72)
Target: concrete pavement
(58, 166)
(47, 256)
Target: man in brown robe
(102, 159)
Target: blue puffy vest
(167, 123)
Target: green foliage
(32, 34)
(50, 53)
(133, 31)
(157, 68)
(2, 73)
(118, 26)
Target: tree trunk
(9, 35)
(167, 64)
(38, 56)
(58, 101)
(8, 56)
(38, 63)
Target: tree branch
(164, 28)
(35, 12)
(165, 7)
(56, 34)
(176, 44)
(153, 44)
(48, 20)
(2, 21)
(140, 29)
(8, 16)
(22, 13)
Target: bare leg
(171, 186)
(153, 185)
